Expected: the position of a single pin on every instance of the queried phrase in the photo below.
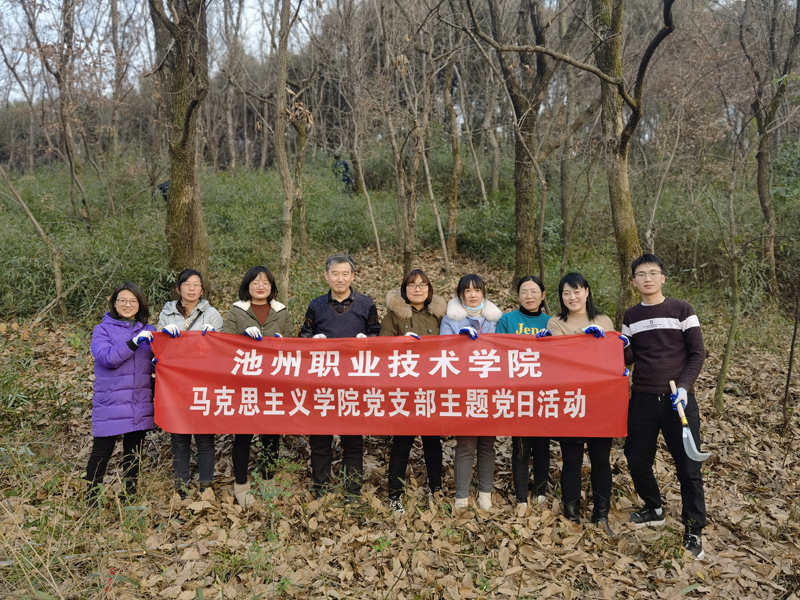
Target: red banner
(447, 385)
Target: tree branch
(638, 86)
(544, 50)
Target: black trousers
(240, 456)
(352, 461)
(103, 448)
(398, 461)
(572, 453)
(647, 415)
(520, 459)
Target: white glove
(278, 335)
(208, 327)
(411, 334)
(171, 330)
(143, 337)
(360, 335)
(320, 336)
(254, 332)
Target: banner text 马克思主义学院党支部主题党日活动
(563, 386)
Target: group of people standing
(661, 336)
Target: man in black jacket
(341, 313)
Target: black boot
(572, 510)
(90, 495)
(600, 513)
(131, 488)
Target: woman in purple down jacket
(123, 391)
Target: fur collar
(456, 312)
(245, 305)
(396, 304)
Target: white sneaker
(541, 499)
(461, 503)
(522, 509)
(243, 495)
(484, 500)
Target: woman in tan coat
(580, 316)
(257, 314)
(414, 310)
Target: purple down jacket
(123, 390)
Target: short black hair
(532, 278)
(646, 259)
(184, 275)
(252, 273)
(576, 280)
(412, 275)
(142, 315)
(467, 281)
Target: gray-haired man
(341, 313)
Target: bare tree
(182, 54)
(232, 20)
(280, 147)
(58, 59)
(451, 199)
(527, 74)
(772, 74)
(608, 16)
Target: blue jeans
(181, 450)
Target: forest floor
(290, 545)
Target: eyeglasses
(641, 275)
(133, 302)
(527, 294)
(417, 286)
(192, 285)
(260, 284)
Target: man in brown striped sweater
(665, 344)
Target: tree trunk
(491, 136)
(231, 128)
(264, 138)
(458, 167)
(524, 200)
(765, 108)
(184, 75)
(280, 152)
(31, 140)
(360, 177)
(719, 401)
(763, 157)
(302, 136)
(786, 412)
(468, 134)
(245, 136)
(432, 197)
(566, 163)
(608, 55)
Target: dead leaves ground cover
(291, 545)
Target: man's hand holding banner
(563, 386)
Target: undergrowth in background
(243, 213)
